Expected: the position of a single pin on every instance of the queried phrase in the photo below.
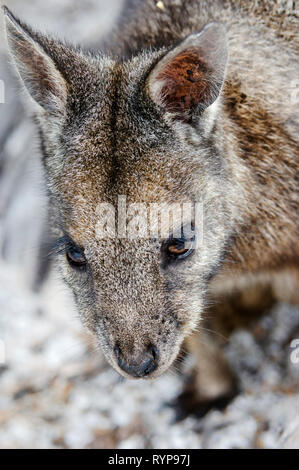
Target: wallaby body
(173, 110)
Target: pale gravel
(56, 390)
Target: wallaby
(188, 101)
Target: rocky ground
(56, 390)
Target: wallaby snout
(137, 365)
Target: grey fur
(104, 134)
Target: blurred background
(55, 388)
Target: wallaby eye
(76, 257)
(179, 248)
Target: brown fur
(184, 84)
(166, 118)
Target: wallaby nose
(141, 366)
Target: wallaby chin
(172, 174)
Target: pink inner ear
(185, 82)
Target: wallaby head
(145, 131)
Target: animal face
(138, 185)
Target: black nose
(141, 366)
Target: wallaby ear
(189, 78)
(37, 69)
